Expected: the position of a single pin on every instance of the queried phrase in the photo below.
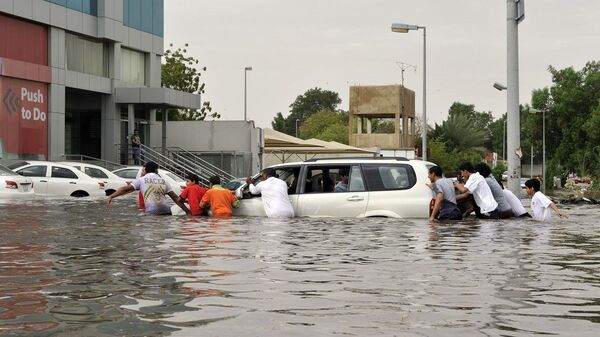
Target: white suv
(350, 187)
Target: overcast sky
(293, 46)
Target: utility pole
(403, 66)
(514, 14)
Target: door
(38, 174)
(63, 181)
(333, 190)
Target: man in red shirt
(193, 193)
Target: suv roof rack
(356, 158)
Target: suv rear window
(388, 177)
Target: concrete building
(77, 76)
(383, 117)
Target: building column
(359, 125)
(369, 126)
(111, 129)
(56, 106)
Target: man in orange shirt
(220, 200)
(193, 194)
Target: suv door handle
(71, 182)
(43, 181)
(355, 198)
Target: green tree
(305, 105)
(180, 72)
(325, 125)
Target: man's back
(221, 201)
(154, 190)
(274, 197)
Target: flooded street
(75, 268)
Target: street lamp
(543, 111)
(404, 28)
(297, 120)
(245, 92)
(501, 87)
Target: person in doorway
(475, 184)
(221, 201)
(193, 193)
(540, 204)
(153, 189)
(274, 193)
(445, 207)
(136, 143)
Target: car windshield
(5, 171)
(127, 173)
(17, 165)
(173, 176)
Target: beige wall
(383, 101)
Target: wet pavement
(74, 268)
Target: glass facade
(133, 66)
(139, 14)
(86, 55)
(85, 6)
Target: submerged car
(13, 186)
(51, 178)
(350, 187)
(111, 181)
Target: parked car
(51, 178)
(370, 187)
(13, 186)
(111, 181)
(132, 172)
(234, 184)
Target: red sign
(23, 118)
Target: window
(86, 55)
(327, 179)
(4, 171)
(61, 172)
(288, 174)
(144, 15)
(33, 171)
(127, 174)
(133, 66)
(390, 177)
(95, 173)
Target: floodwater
(74, 268)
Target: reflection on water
(74, 268)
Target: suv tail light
(101, 185)
(11, 184)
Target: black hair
(466, 166)
(437, 171)
(483, 169)
(151, 167)
(533, 183)
(215, 180)
(193, 178)
(270, 172)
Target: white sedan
(51, 178)
(111, 181)
(133, 172)
(14, 186)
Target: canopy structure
(284, 147)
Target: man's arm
(254, 189)
(436, 208)
(176, 200)
(120, 191)
(557, 211)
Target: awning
(285, 146)
(159, 97)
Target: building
(78, 76)
(382, 117)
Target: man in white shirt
(477, 186)
(274, 193)
(154, 190)
(540, 204)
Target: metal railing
(177, 153)
(81, 158)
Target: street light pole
(245, 92)
(297, 120)
(404, 28)
(543, 111)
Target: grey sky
(297, 45)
